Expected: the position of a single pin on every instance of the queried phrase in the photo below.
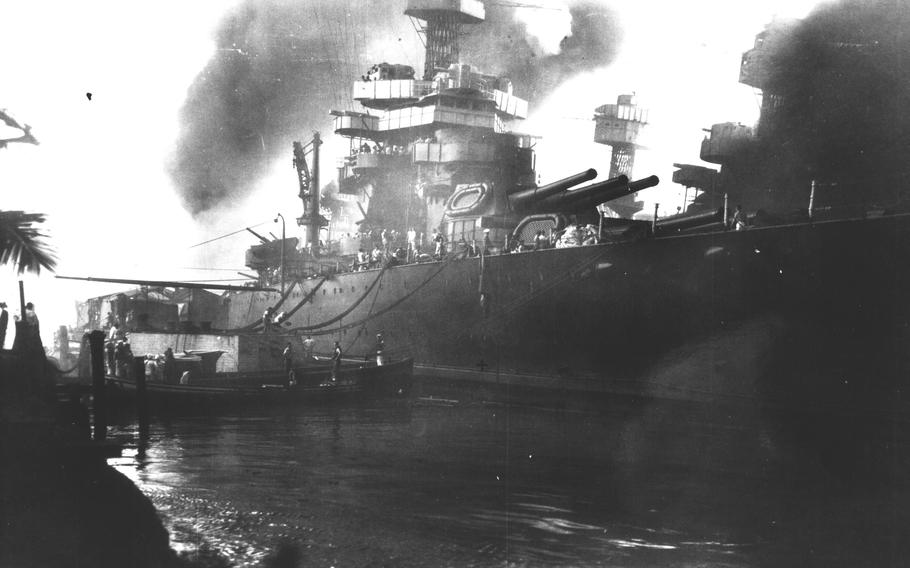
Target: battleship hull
(800, 313)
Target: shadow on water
(454, 478)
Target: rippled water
(460, 481)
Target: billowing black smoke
(279, 68)
(843, 75)
(281, 65)
(502, 46)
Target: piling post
(22, 299)
(811, 199)
(99, 398)
(142, 404)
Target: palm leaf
(22, 244)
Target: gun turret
(606, 195)
(525, 199)
(644, 183)
(567, 200)
(688, 221)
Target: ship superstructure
(618, 126)
(438, 150)
(809, 307)
(444, 153)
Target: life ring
(467, 198)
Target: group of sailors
(574, 235)
(162, 368)
(383, 247)
(383, 71)
(119, 358)
(387, 149)
(373, 74)
(30, 319)
(386, 246)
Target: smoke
(282, 65)
(279, 68)
(844, 77)
(503, 46)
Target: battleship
(778, 283)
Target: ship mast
(618, 125)
(443, 26)
(309, 190)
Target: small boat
(310, 384)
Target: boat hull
(795, 313)
(251, 391)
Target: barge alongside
(807, 305)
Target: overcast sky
(100, 173)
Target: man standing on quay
(4, 322)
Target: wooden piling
(99, 397)
(22, 300)
(142, 405)
(811, 200)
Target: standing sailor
(4, 322)
(289, 365)
(31, 318)
(380, 346)
(267, 320)
(336, 361)
(308, 349)
(440, 242)
(739, 219)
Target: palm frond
(22, 244)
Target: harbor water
(456, 478)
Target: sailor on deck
(336, 361)
(380, 347)
(170, 367)
(440, 243)
(308, 348)
(267, 319)
(288, 355)
(739, 219)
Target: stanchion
(142, 404)
(99, 398)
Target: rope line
(258, 323)
(388, 308)
(308, 297)
(350, 309)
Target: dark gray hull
(811, 313)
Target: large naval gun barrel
(594, 200)
(644, 183)
(688, 221)
(524, 199)
(602, 191)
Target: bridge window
(464, 229)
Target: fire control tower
(618, 125)
(443, 20)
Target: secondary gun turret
(609, 195)
(525, 199)
(601, 191)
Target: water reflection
(476, 484)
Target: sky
(100, 171)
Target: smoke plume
(843, 75)
(281, 65)
(503, 46)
